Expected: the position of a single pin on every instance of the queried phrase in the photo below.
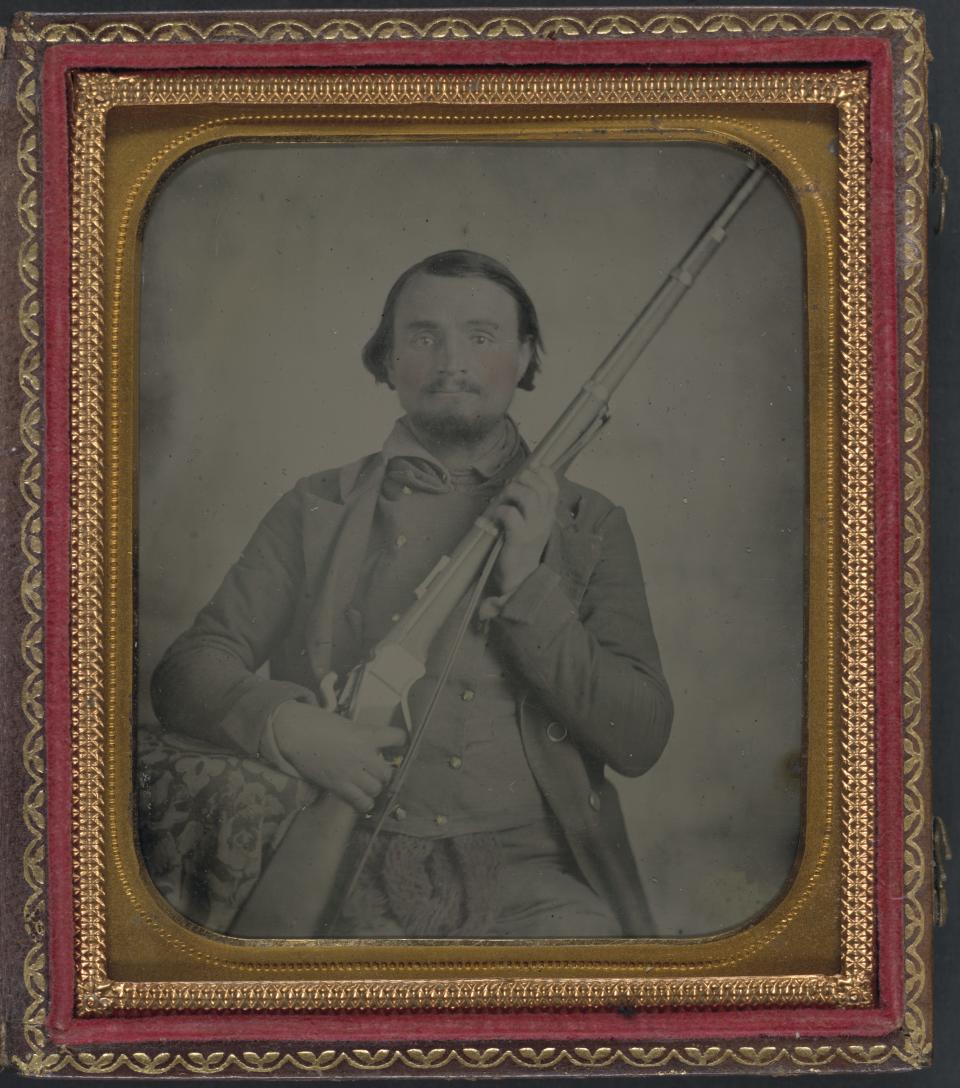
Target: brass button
(456, 762)
(395, 761)
(556, 732)
(407, 489)
(401, 540)
(468, 696)
(395, 617)
(594, 800)
(440, 819)
(399, 813)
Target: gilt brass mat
(816, 944)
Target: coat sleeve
(596, 668)
(207, 684)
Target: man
(505, 825)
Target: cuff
(249, 715)
(270, 750)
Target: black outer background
(943, 34)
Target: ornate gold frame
(94, 552)
(120, 929)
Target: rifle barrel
(595, 394)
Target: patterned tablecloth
(209, 820)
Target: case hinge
(941, 855)
(939, 181)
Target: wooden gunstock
(302, 876)
(305, 873)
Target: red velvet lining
(607, 1026)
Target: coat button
(556, 732)
(440, 819)
(468, 695)
(456, 762)
(399, 813)
(594, 800)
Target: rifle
(294, 898)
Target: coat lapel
(335, 536)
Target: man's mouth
(452, 391)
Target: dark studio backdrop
(944, 39)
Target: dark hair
(457, 262)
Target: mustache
(459, 385)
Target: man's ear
(523, 358)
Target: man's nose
(450, 356)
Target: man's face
(456, 356)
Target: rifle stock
(293, 898)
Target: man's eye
(481, 338)
(424, 340)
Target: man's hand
(526, 516)
(334, 753)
